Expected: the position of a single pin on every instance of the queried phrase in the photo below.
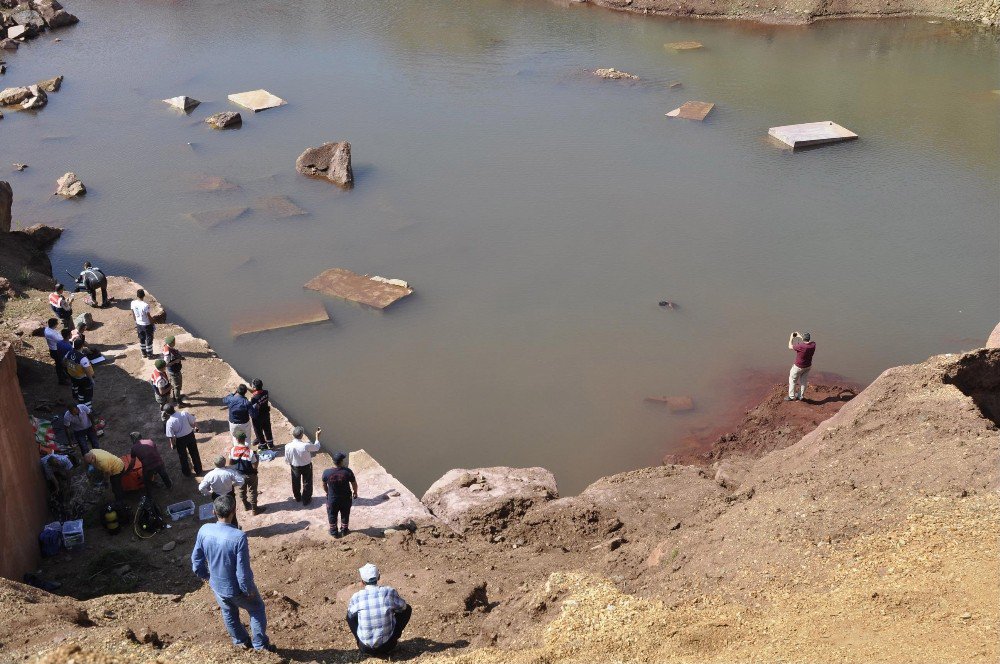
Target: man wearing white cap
(377, 614)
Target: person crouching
(377, 615)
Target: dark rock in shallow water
(330, 161)
(224, 119)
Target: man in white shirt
(52, 339)
(180, 429)
(298, 455)
(144, 327)
(77, 421)
(221, 481)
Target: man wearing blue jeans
(221, 558)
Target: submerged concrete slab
(212, 218)
(257, 100)
(683, 45)
(214, 183)
(681, 404)
(373, 291)
(279, 206)
(692, 110)
(811, 133)
(280, 316)
(383, 502)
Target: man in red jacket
(152, 463)
(804, 348)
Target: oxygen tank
(110, 520)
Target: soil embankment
(868, 538)
(986, 12)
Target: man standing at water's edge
(804, 348)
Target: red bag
(132, 480)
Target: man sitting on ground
(377, 615)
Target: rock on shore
(484, 499)
(330, 161)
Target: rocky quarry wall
(23, 508)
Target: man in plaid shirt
(377, 615)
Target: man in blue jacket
(239, 410)
(221, 558)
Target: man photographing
(804, 348)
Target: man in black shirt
(91, 280)
(260, 415)
(341, 489)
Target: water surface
(539, 213)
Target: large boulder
(43, 236)
(29, 18)
(992, 342)
(37, 100)
(69, 186)
(54, 14)
(12, 96)
(225, 119)
(51, 84)
(486, 500)
(6, 201)
(330, 161)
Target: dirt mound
(775, 423)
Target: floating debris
(811, 133)
(374, 291)
(692, 110)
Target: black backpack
(148, 520)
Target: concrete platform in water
(811, 133)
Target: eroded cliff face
(986, 12)
(23, 509)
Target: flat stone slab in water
(276, 317)
(684, 45)
(257, 100)
(280, 206)
(211, 218)
(373, 291)
(692, 110)
(811, 133)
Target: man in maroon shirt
(804, 348)
(152, 463)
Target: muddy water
(540, 214)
